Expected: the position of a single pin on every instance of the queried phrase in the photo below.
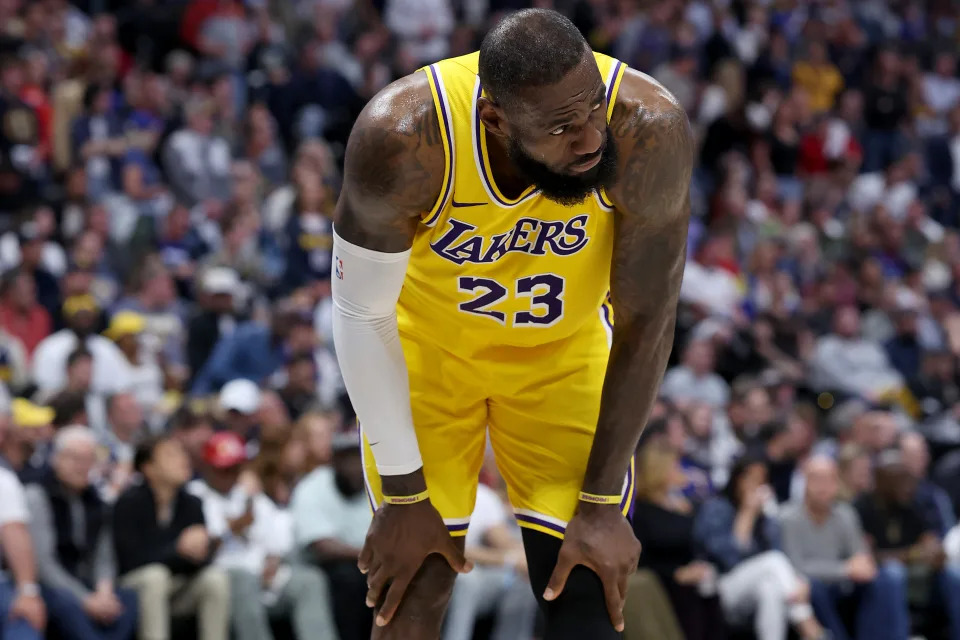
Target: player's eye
(595, 107)
(558, 131)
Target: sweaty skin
(394, 169)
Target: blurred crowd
(176, 450)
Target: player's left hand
(599, 538)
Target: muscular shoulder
(655, 148)
(395, 151)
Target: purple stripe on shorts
(458, 527)
(522, 517)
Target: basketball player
(489, 204)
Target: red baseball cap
(224, 450)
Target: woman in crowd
(663, 521)
(738, 534)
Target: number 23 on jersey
(544, 291)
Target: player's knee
(581, 610)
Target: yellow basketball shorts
(540, 405)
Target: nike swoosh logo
(458, 205)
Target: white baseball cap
(240, 395)
(221, 280)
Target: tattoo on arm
(652, 200)
(394, 168)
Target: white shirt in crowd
(111, 371)
(321, 512)
(269, 535)
(13, 503)
(488, 512)
(681, 383)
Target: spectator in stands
(110, 370)
(24, 448)
(255, 352)
(69, 524)
(845, 362)
(695, 380)
(823, 539)
(663, 521)
(314, 434)
(98, 138)
(31, 240)
(197, 163)
(756, 579)
(932, 500)
(154, 297)
(331, 514)
(23, 615)
(192, 428)
(240, 401)
(217, 317)
(499, 583)
(146, 378)
(252, 544)
(163, 548)
(903, 541)
(299, 394)
(20, 314)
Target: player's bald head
(528, 49)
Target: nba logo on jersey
(339, 268)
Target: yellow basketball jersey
(489, 270)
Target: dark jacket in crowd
(71, 536)
(140, 540)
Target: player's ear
(491, 114)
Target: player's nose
(589, 141)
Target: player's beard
(567, 189)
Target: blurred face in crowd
(700, 419)
(875, 430)
(946, 65)
(348, 469)
(11, 76)
(846, 322)
(700, 357)
(80, 374)
(23, 291)
(244, 176)
(916, 455)
(823, 483)
(857, 474)
(88, 250)
(301, 337)
(895, 485)
(317, 434)
(169, 466)
(273, 417)
(906, 322)
(74, 463)
(126, 416)
(753, 478)
(160, 289)
(193, 437)
(223, 480)
(82, 322)
(31, 252)
(301, 376)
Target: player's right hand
(399, 540)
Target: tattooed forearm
(652, 199)
(394, 168)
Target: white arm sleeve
(366, 287)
